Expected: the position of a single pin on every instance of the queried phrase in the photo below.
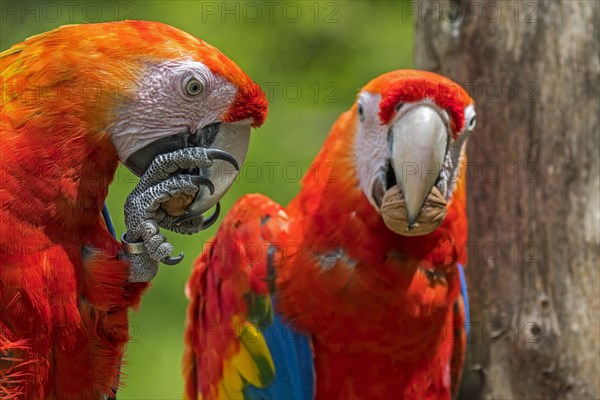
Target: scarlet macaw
(76, 100)
(354, 289)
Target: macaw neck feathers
(61, 172)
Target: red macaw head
(145, 87)
(411, 132)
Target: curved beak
(417, 142)
(227, 145)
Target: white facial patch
(160, 105)
(370, 147)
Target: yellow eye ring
(194, 87)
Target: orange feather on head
(98, 65)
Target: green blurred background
(310, 57)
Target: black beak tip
(411, 222)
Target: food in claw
(177, 205)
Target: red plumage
(64, 292)
(383, 320)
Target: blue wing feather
(108, 221)
(294, 366)
(465, 295)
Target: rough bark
(534, 231)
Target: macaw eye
(194, 87)
(470, 117)
(361, 113)
(472, 122)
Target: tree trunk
(533, 69)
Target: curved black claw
(208, 183)
(216, 154)
(185, 216)
(201, 180)
(213, 218)
(206, 223)
(172, 260)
